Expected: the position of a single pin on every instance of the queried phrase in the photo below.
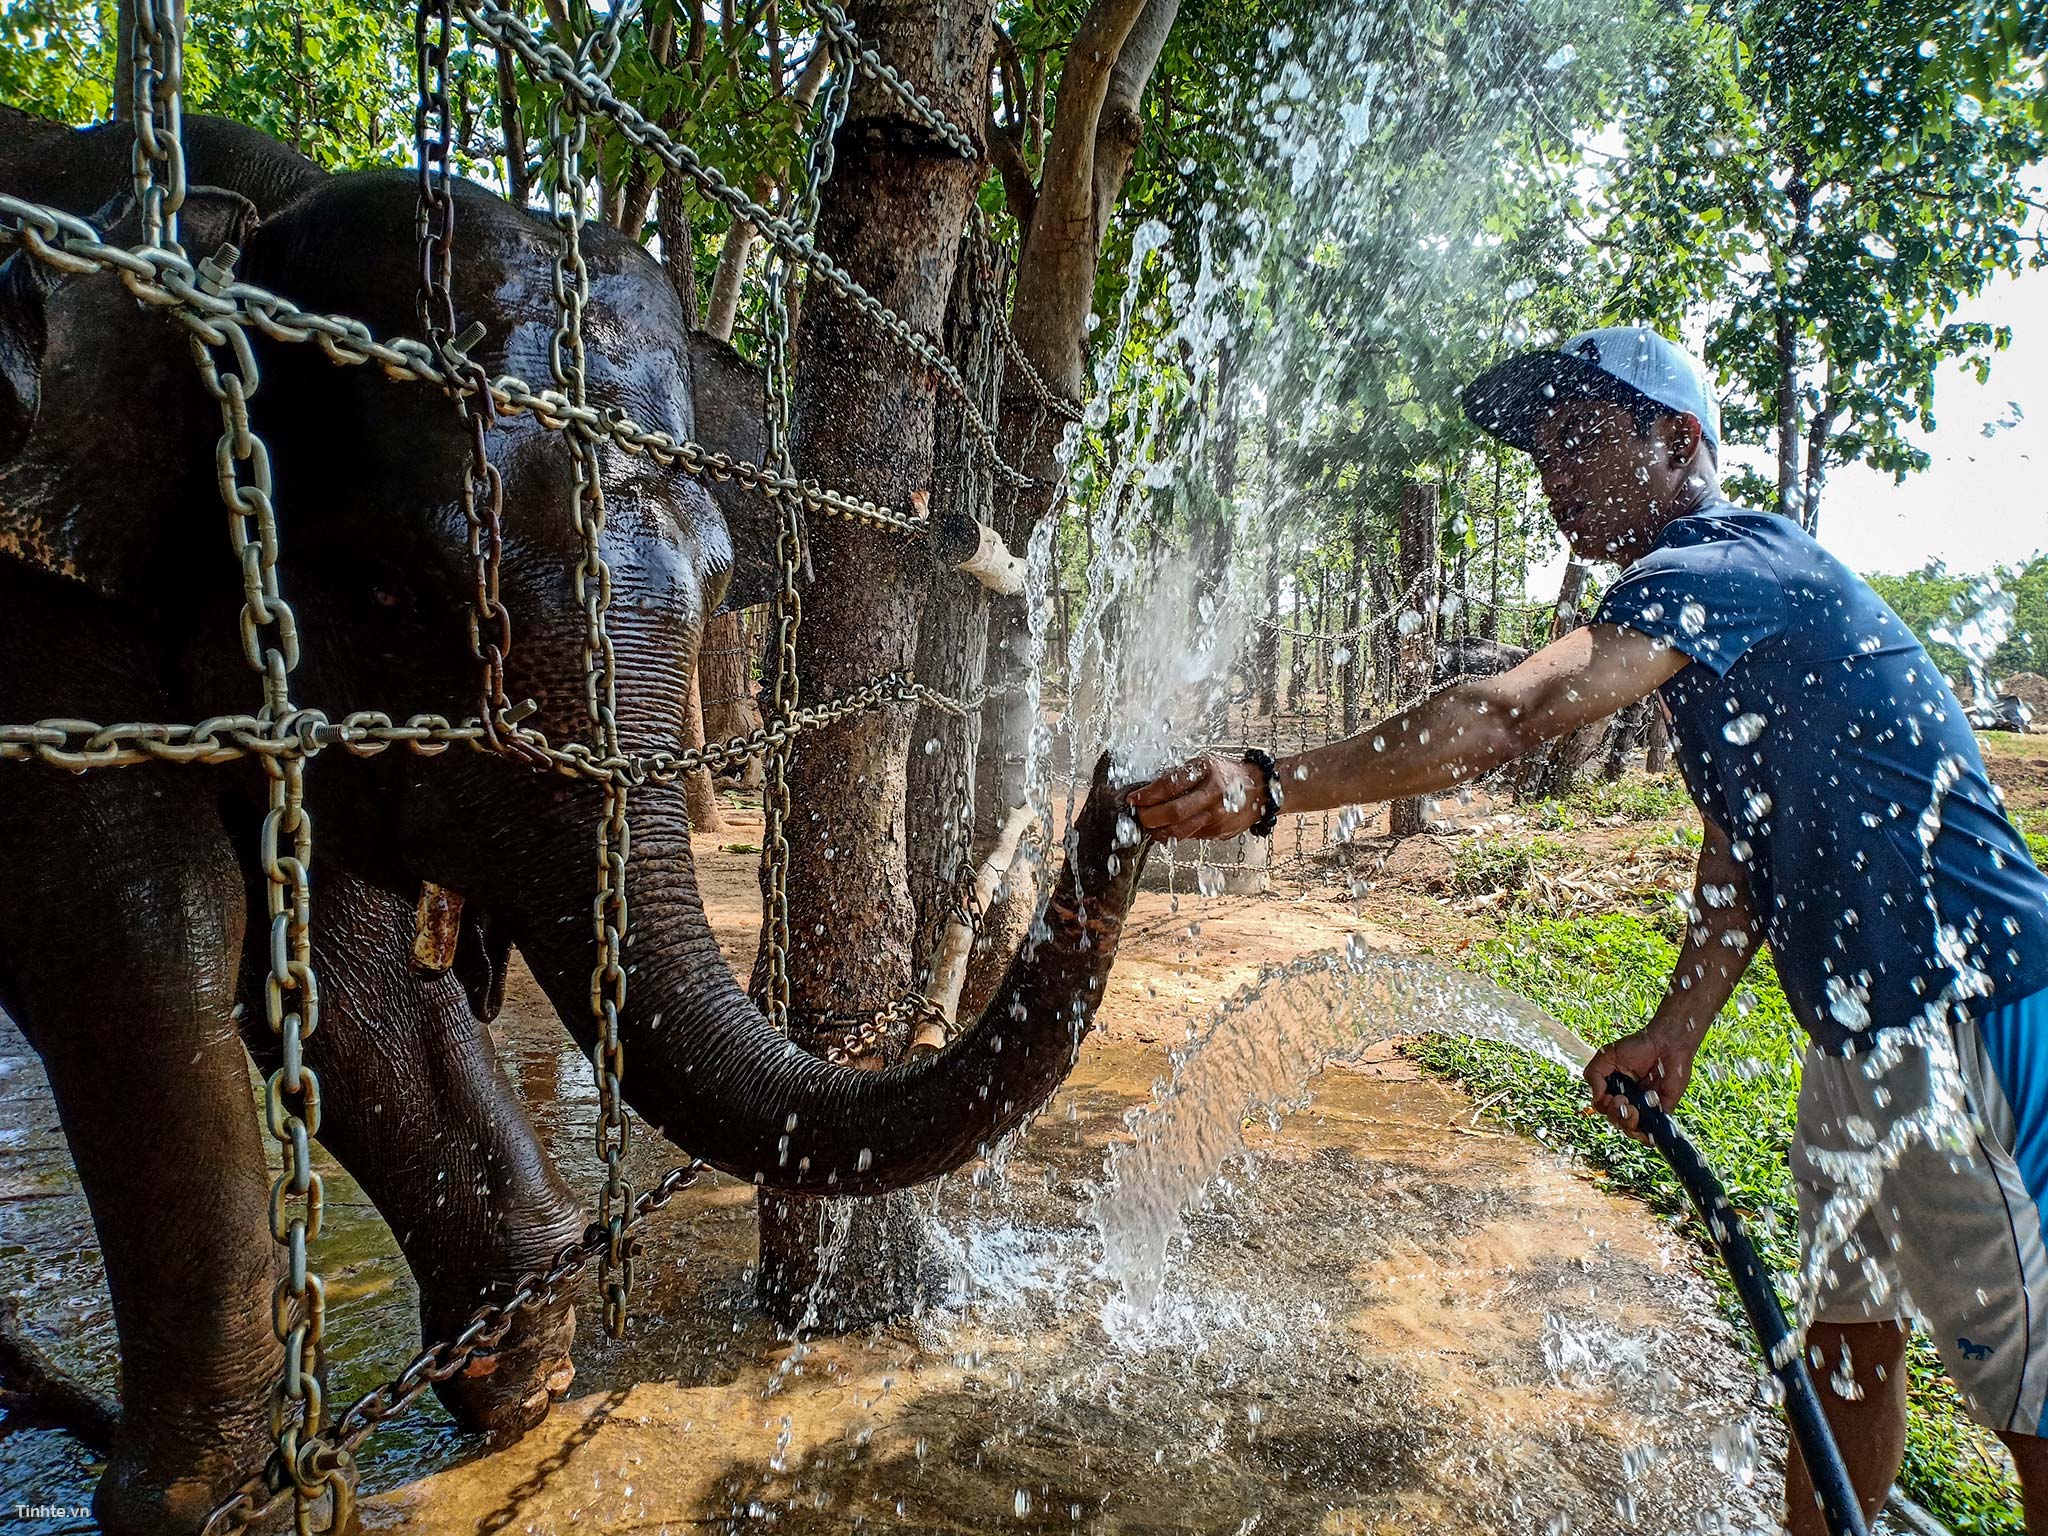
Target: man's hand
(1205, 797)
(1658, 1056)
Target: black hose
(1839, 1504)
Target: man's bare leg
(1869, 1424)
(2030, 1455)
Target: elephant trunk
(707, 1070)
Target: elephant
(132, 931)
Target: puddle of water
(1257, 1057)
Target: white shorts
(1900, 1217)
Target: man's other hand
(1205, 797)
(1659, 1057)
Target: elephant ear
(729, 396)
(106, 436)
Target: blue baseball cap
(1622, 363)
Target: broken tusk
(438, 927)
(993, 565)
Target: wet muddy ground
(1385, 1319)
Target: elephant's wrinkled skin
(130, 900)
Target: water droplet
(1744, 729)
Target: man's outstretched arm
(1450, 737)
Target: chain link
(167, 280)
(315, 1456)
(870, 1034)
(483, 1332)
(482, 487)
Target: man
(1848, 820)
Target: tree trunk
(1266, 649)
(678, 242)
(700, 795)
(952, 650)
(1547, 773)
(1786, 341)
(1816, 473)
(1351, 670)
(864, 423)
(1417, 643)
(1657, 754)
(725, 671)
(1625, 737)
(514, 131)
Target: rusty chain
(786, 614)
(79, 745)
(483, 1331)
(568, 131)
(291, 993)
(158, 163)
(482, 487)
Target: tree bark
(1657, 753)
(1351, 670)
(513, 130)
(864, 423)
(1417, 643)
(953, 645)
(725, 670)
(1548, 772)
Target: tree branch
(1066, 192)
(1020, 191)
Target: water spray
(1753, 1283)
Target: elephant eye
(384, 597)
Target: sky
(1984, 499)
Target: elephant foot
(165, 1490)
(509, 1390)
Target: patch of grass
(2033, 826)
(1633, 798)
(1603, 976)
(1480, 865)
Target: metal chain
(157, 107)
(483, 1332)
(870, 1034)
(291, 1100)
(502, 27)
(483, 489)
(568, 131)
(839, 27)
(787, 614)
(166, 280)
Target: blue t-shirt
(1813, 728)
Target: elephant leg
(121, 917)
(415, 1106)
